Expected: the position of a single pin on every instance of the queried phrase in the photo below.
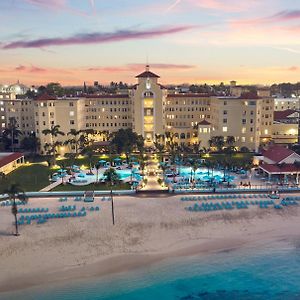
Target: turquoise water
(272, 272)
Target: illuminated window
(266, 131)
(244, 130)
(224, 129)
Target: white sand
(147, 230)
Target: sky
(184, 41)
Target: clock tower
(149, 98)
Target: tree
(76, 139)
(14, 193)
(12, 131)
(111, 178)
(30, 143)
(55, 89)
(218, 142)
(89, 153)
(125, 140)
(97, 166)
(54, 132)
(195, 167)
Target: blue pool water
(269, 273)
(203, 174)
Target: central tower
(149, 106)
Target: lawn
(31, 178)
(98, 187)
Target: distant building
(10, 161)
(150, 109)
(281, 162)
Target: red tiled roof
(9, 158)
(204, 122)
(188, 95)
(284, 168)
(45, 97)
(147, 74)
(280, 115)
(108, 96)
(277, 153)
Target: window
(244, 130)
(224, 121)
(71, 104)
(72, 122)
(225, 112)
(224, 129)
(243, 139)
(71, 113)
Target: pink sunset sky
(184, 41)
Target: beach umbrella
(206, 178)
(102, 161)
(117, 159)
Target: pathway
(54, 184)
(152, 175)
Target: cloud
(221, 5)
(282, 16)
(97, 38)
(31, 69)
(58, 5)
(52, 4)
(139, 67)
(293, 68)
(291, 50)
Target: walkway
(54, 184)
(152, 175)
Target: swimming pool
(203, 174)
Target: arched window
(148, 94)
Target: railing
(70, 193)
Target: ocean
(271, 271)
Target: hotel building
(150, 110)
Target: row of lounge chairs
(92, 208)
(67, 208)
(78, 198)
(106, 198)
(297, 198)
(33, 210)
(211, 206)
(43, 218)
(9, 203)
(63, 199)
(225, 196)
(289, 202)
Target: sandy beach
(147, 230)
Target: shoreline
(116, 264)
(76, 249)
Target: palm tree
(75, 140)
(31, 143)
(160, 148)
(14, 193)
(111, 178)
(89, 153)
(12, 131)
(195, 167)
(53, 132)
(230, 141)
(97, 166)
